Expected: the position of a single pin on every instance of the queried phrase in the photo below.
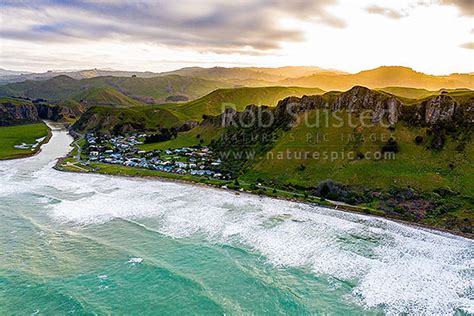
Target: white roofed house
(181, 164)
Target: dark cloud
(469, 45)
(465, 6)
(213, 25)
(390, 13)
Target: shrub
(391, 146)
(418, 139)
(164, 135)
(324, 189)
(438, 141)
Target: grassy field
(15, 101)
(16, 135)
(414, 165)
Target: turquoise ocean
(92, 245)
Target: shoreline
(333, 205)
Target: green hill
(73, 105)
(408, 93)
(104, 96)
(405, 160)
(215, 102)
(112, 120)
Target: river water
(94, 244)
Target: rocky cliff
(441, 109)
(56, 113)
(379, 105)
(14, 111)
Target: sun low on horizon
(435, 37)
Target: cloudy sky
(433, 36)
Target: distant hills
(5, 73)
(383, 77)
(265, 74)
(248, 73)
(148, 90)
(9, 76)
(314, 77)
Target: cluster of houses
(124, 150)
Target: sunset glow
(431, 36)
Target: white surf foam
(399, 268)
(135, 260)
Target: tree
(418, 139)
(391, 146)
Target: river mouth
(102, 244)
